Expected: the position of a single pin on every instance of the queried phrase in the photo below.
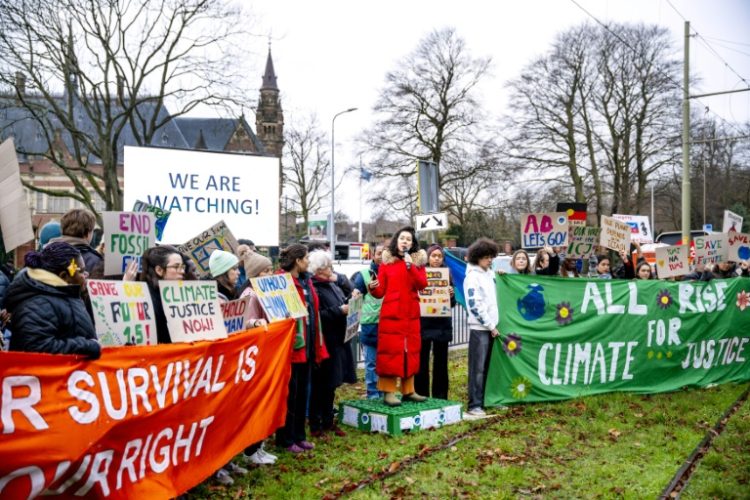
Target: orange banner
(140, 422)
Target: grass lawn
(614, 445)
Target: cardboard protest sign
(583, 242)
(235, 313)
(672, 261)
(738, 246)
(640, 227)
(732, 222)
(538, 230)
(200, 247)
(435, 300)
(161, 215)
(279, 297)
(192, 310)
(140, 422)
(615, 235)
(200, 187)
(15, 215)
(576, 212)
(123, 312)
(353, 318)
(127, 235)
(710, 249)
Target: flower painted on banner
(564, 313)
(521, 387)
(743, 300)
(512, 344)
(664, 299)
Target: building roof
(269, 76)
(213, 134)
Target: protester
(602, 267)
(520, 263)
(365, 281)
(436, 333)
(626, 270)
(49, 231)
(45, 304)
(483, 318)
(77, 226)
(569, 269)
(243, 251)
(722, 270)
(329, 374)
(224, 268)
(400, 277)
(161, 263)
(308, 349)
(643, 271)
(546, 262)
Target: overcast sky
(333, 54)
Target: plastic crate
(376, 416)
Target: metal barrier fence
(460, 332)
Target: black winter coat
(51, 319)
(333, 323)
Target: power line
(727, 41)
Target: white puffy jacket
(481, 298)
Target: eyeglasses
(178, 267)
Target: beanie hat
(256, 263)
(434, 247)
(49, 230)
(220, 262)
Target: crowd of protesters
(45, 309)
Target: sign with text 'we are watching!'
(200, 188)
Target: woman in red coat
(400, 276)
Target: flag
(365, 174)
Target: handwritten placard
(732, 222)
(711, 249)
(200, 248)
(161, 216)
(738, 246)
(640, 227)
(236, 315)
(279, 297)
(127, 235)
(583, 242)
(615, 234)
(435, 300)
(353, 317)
(123, 312)
(538, 230)
(672, 261)
(192, 310)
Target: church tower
(269, 118)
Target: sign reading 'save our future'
(199, 188)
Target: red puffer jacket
(398, 329)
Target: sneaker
(223, 477)
(233, 468)
(258, 458)
(337, 430)
(268, 456)
(474, 414)
(306, 445)
(294, 449)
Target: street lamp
(332, 229)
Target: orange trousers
(389, 384)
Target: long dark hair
(289, 255)
(393, 245)
(55, 258)
(155, 256)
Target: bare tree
(97, 72)
(426, 109)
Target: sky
(332, 55)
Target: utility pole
(686, 140)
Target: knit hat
(221, 262)
(49, 230)
(255, 264)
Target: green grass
(614, 445)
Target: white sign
(640, 227)
(127, 235)
(199, 188)
(15, 216)
(672, 261)
(732, 222)
(123, 312)
(738, 246)
(615, 235)
(432, 222)
(192, 310)
(711, 249)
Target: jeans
(439, 369)
(480, 348)
(371, 378)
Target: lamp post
(332, 229)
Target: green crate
(375, 416)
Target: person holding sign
(520, 263)
(308, 349)
(437, 333)
(224, 268)
(330, 373)
(45, 304)
(546, 262)
(400, 277)
(161, 263)
(643, 271)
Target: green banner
(564, 338)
